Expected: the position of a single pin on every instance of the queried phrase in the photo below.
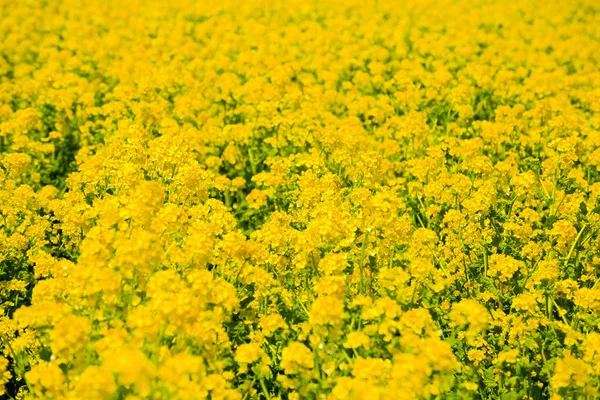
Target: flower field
(276, 199)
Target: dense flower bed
(299, 199)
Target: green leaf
(489, 378)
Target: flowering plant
(299, 199)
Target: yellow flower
(355, 340)
(70, 337)
(327, 310)
(5, 375)
(271, 323)
(16, 163)
(568, 371)
(95, 383)
(46, 378)
(248, 353)
(470, 315)
(504, 267)
(296, 357)
(587, 298)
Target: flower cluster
(299, 199)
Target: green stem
(559, 204)
(575, 243)
(264, 389)
(361, 263)
(562, 316)
(18, 367)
